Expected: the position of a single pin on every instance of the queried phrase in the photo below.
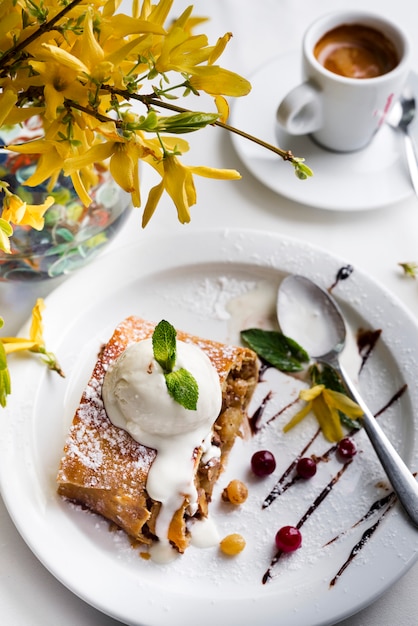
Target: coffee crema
(356, 51)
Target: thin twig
(43, 28)
(152, 100)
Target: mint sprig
(164, 345)
(181, 384)
(275, 348)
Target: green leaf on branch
(302, 170)
(187, 122)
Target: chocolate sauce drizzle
(313, 507)
(377, 506)
(366, 341)
(342, 274)
(366, 536)
(285, 482)
(255, 419)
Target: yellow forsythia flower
(35, 342)
(325, 405)
(177, 181)
(18, 212)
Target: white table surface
(374, 241)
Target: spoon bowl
(402, 112)
(302, 306)
(310, 316)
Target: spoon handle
(401, 478)
(411, 158)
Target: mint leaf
(164, 345)
(275, 348)
(181, 384)
(183, 388)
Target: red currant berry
(263, 463)
(306, 467)
(288, 539)
(346, 448)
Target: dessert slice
(106, 469)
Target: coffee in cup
(356, 51)
(354, 66)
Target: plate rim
(238, 237)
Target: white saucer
(368, 179)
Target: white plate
(193, 287)
(369, 179)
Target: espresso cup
(354, 66)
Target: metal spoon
(310, 316)
(400, 118)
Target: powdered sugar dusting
(209, 298)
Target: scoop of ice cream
(136, 398)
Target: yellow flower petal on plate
(328, 419)
(298, 417)
(310, 394)
(342, 403)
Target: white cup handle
(300, 112)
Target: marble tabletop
(375, 240)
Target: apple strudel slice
(106, 469)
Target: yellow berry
(236, 492)
(232, 544)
